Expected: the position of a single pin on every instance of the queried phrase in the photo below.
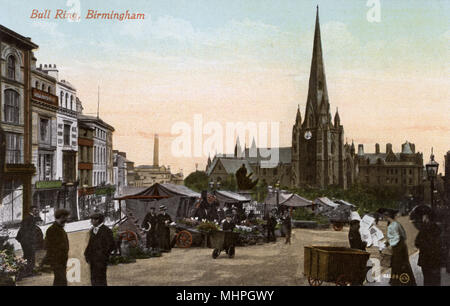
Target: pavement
(271, 264)
(385, 275)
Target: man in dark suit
(57, 245)
(428, 241)
(271, 223)
(98, 250)
(163, 233)
(149, 225)
(30, 237)
(228, 225)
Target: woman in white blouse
(401, 272)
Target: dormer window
(12, 67)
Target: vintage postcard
(224, 143)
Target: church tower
(318, 142)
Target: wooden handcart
(343, 266)
(222, 240)
(185, 236)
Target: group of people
(272, 221)
(158, 231)
(100, 245)
(428, 241)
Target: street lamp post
(270, 191)
(277, 188)
(432, 170)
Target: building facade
(147, 175)
(102, 172)
(16, 53)
(66, 139)
(403, 170)
(85, 155)
(48, 192)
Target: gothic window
(43, 87)
(67, 101)
(332, 147)
(12, 106)
(320, 85)
(61, 98)
(49, 89)
(36, 85)
(71, 102)
(11, 67)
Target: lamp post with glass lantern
(432, 170)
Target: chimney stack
(388, 147)
(360, 150)
(156, 151)
(377, 148)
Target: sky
(249, 61)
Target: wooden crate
(329, 263)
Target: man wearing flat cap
(163, 229)
(98, 250)
(57, 246)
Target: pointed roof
(317, 92)
(298, 119)
(337, 118)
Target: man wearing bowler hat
(163, 229)
(100, 246)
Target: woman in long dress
(401, 272)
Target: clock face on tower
(308, 135)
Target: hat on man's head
(228, 214)
(162, 207)
(61, 212)
(96, 215)
(389, 212)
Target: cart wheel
(215, 253)
(184, 239)
(338, 226)
(314, 281)
(131, 237)
(342, 280)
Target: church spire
(298, 119)
(317, 92)
(337, 119)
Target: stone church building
(319, 156)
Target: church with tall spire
(319, 156)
